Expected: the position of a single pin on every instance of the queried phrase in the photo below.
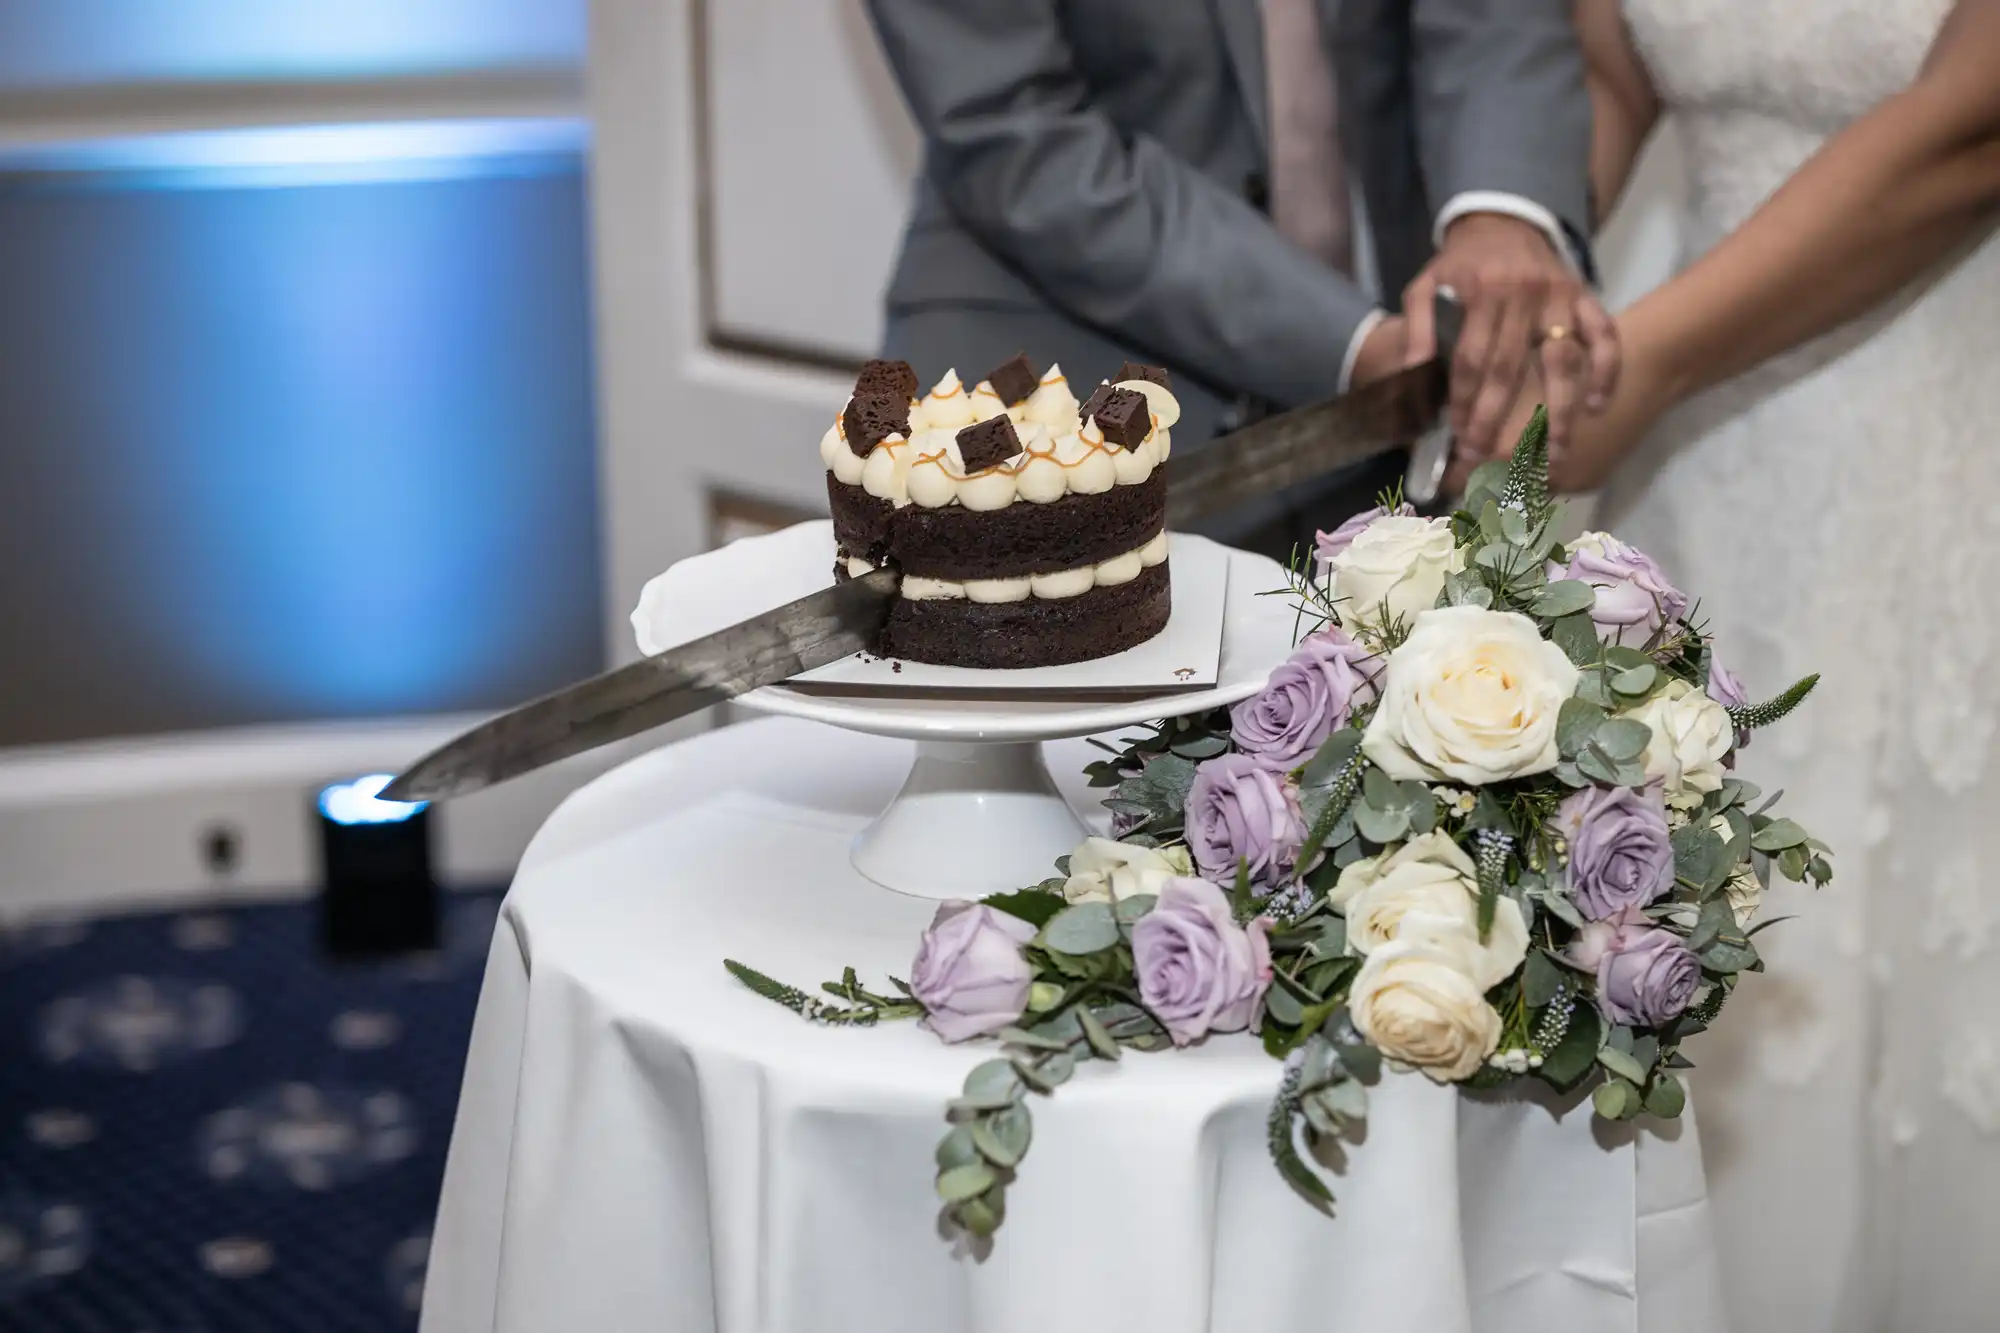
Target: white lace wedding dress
(1839, 511)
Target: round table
(644, 1144)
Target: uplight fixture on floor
(378, 895)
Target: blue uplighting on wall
(281, 450)
(54, 43)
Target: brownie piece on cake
(1028, 532)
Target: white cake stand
(979, 812)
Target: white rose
(1415, 1002)
(1745, 892)
(1428, 891)
(1101, 870)
(1393, 569)
(1471, 695)
(1691, 734)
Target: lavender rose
(1645, 975)
(1306, 700)
(1620, 854)
(1240, 809)
(1634, 598)
(1327, 545)
(969, 974)
(1199, 972)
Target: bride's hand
(1603, 439)
(1598, 442)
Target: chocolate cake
(1029, 531)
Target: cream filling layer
(1062, 583)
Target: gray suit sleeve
(1109, 226)
(1501, 104)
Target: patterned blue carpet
(206, 1127)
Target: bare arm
(1624, 108)
(1875, 207)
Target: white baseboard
(122, 824)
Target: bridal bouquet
(1484, 824)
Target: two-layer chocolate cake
(1029, 530)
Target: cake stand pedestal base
(973, 818)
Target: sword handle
(1430, 456)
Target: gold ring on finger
(1555, 333)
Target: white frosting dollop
(938, 472)
(992, 489)
(1160, 400)
(1051, 404)
(986, 403)
(1154, 551)
(886, 472)
(946, 407)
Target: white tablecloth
(645, 1145)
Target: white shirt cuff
(1513, 206)
(1361, 332)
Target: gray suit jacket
(1094, 178)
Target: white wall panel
(809, 154)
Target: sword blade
(1305, 443)
(777, 645)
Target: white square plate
(689, 601)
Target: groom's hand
(1517, 292)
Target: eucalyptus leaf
(1321, 1116)
(1570, 775)
(1003, 1137)
(1777, 835)
(1576, 722)
(1102, 1044)
(1564, 597)
(1331, 942)
(1592, 687)
(1623, 738)
(1636, 682)
(1576, 635)
(1615, 1099)
(982, 1216)
(1128, 910)
(1381, 826)
(1083, 929)
(965, 1182)
(1199, 746)
(1034, 906)
(1348, 1098)
(1727, 957)
(1382, 791)
(1593, 765)
(1513, 526)
(956, 1148)
(1622, 658)
(992, 1082)
(1034, 1041)
(1540, 979)
(1423, 809)
(1619, 1039)
(1283, 1006)
(1645, 1049)
(1666, 1098)
(1622, 1064)
(1557, 904)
